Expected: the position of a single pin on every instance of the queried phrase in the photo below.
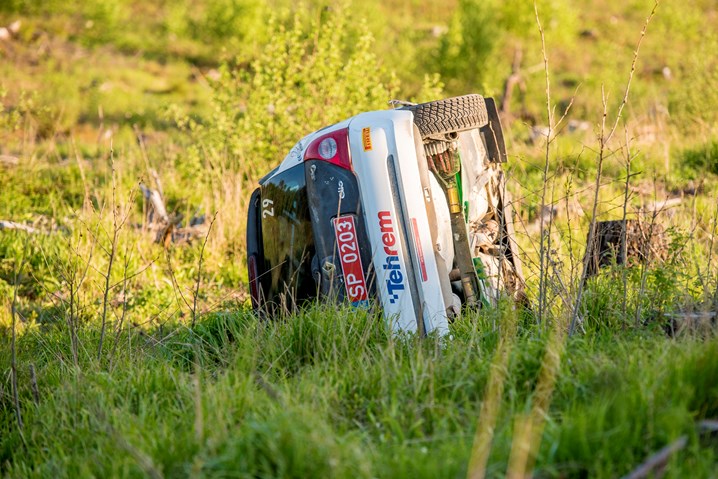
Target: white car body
(405, 214)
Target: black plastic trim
(493, 135)
(255, 244)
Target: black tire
(452, 114)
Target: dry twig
(12, 225)
(658, 460)
(13, 344)
(604, 139)
(199, 271)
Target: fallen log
(12, 225)
(708, 427)
(167, 228)
(662, 205)
(696, 322)
(9, 161)
(157, 213)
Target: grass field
(122, 356)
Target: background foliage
(98, 96)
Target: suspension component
(444, 160)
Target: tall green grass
(331, 393)
(211, 94)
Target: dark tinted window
(288, 238)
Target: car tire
(459, 113)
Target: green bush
(471, 39)
(217, 22)
(477, 50)
(309, 76)
(702, 159)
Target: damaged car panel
(403, 208)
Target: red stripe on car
(419, 251)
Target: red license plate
(348, 249)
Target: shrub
(216, 21)
(703, 158)
(476, 50)
(308, 77)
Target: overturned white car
(405, 209)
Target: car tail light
(332, 147)
(253, 280)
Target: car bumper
(394, 203)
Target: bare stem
(13, 344)
(199, 271)
(710, 258)
(111, 256)
(529, 428)
(175, 285)
(603, 141)
(624, 247)
(121, 322)
(542, 247)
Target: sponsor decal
(395, 277)
(366, 138)
(296, 152)
(419, 251)
(348, 248)
(340, 190)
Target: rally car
(404, 210)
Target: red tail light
(253, 280)
(332, 147)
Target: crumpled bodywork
(378, 225)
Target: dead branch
(708, 426)
(604, 138)
(662, 205)
(9, 161)
(166, 228)
(199, 272)
(695, 322)
(658, 460)
(158, 212)
(516, 78)
(12, 225)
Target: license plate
(348, 249)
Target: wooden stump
(643, 242)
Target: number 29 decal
(267, 208)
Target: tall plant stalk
(603, 140)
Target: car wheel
(455, 114)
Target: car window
(288, 238)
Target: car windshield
(288, 238)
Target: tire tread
(451, 114)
